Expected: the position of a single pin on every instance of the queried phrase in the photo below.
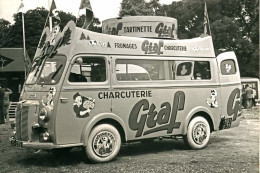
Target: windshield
(48, 72)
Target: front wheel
(103, 144)
(198, 133)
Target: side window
(184, 69)
(202, 70)
(228, 67)
(139, 70)
(190, 70)
(88, 69)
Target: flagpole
(50, 17)
(24, 49)
(209, 27)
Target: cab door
(229, 78)
(87, 77)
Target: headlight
(45, 137)
(44, 114)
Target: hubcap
(199, 133)
(104, 143)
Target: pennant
(54, 13)
(53, 8)
(85, 4)
(20, 7)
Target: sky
(102, 9)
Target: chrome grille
(22, 123)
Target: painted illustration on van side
(47, 100)
(82, 105)
(212, 100)
(96, 43)
(228, 68)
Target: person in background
(6, 99)
(2, 118)
(248, 97)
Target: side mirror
(78, 61)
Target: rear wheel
(103, 144)
(198, 133)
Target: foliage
(4, 29)
(135, 8)
(34, 20)
(234, 25)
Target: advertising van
(99, 90)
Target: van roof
(73, 40)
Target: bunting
(85, 4)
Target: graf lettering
(152, 48)
(234, 104)
(164, 119)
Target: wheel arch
(108, 118)
(199, 111)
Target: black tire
(103, 144)
(198, 133)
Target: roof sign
(141, 26)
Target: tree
(135, 8)
(34, 23)
(234, 26)
(4, 29)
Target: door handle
(64, 100)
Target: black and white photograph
(129, 86)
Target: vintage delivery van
(96, 90)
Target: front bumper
(35, 145)
(38, 145)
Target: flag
(20, 7)
(206, 21)
(28, 63)
(53, 7)
(85, 4)
(54, 13)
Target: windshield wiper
(57, 71)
